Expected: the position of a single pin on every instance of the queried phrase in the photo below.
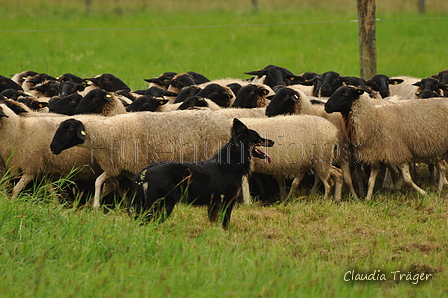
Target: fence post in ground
(421, 6)
(367, 38)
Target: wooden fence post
(367, 38)
(421, 6)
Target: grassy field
(304, 248)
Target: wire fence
(211, 26)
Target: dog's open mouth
(261, 154)
(258, 153)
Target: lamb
(99, 101)
(253, 96)
(303, 142)
(127, 143)
(288, 101)
(394, 133)
(25, 151)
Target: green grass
(300, 249)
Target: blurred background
(137, 39)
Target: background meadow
(301, 248)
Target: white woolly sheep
(24, 148)
(127, 143)
(302, 143)
(99, 101)
(253, 96)
(394, 133)
(289, 101)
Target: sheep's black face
(282, 103)
(193, 101)
(187, 92)
(93, 102)
(342, 99)
(146, 103)
(109, 82)
(64, 105)
(331, 81)
(69, 134)
(216, 93)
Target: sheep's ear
(2, 114)
(360, 90)
(419, 84)
(80, 132)
(295, 98)
(395, 81)
(108, 97)
(163, 101)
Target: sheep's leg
(359, 174)
(98, 184)
(282, 185)
(24, 180)
(441, 169)
(374, 170)
(347, 177)
(246, 191)
(337, 176)
(295, 183)
(408, 179)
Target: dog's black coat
(215, 182)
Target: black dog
(215, 182)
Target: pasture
(305, 247)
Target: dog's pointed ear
(239, 128)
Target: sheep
(155, 92)
(65, 105)
(179, 81)
(151, 104)
(7, 83)
(25, 151)
(221, 95)
(69, 87)
(288, 101)
(253, 96)
(99, 101)
(394, 133)
(405, 89)
(197, 102)
(127, 143)
(380, 83)
(162, 81)
(36, 80)
(303, 142)
(186, 92)
(442, 76)
(21, 77)
(46, 89)
(108, 82)
(274, 75)
(427, 94)
(243, 113)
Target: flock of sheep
(333, 127)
